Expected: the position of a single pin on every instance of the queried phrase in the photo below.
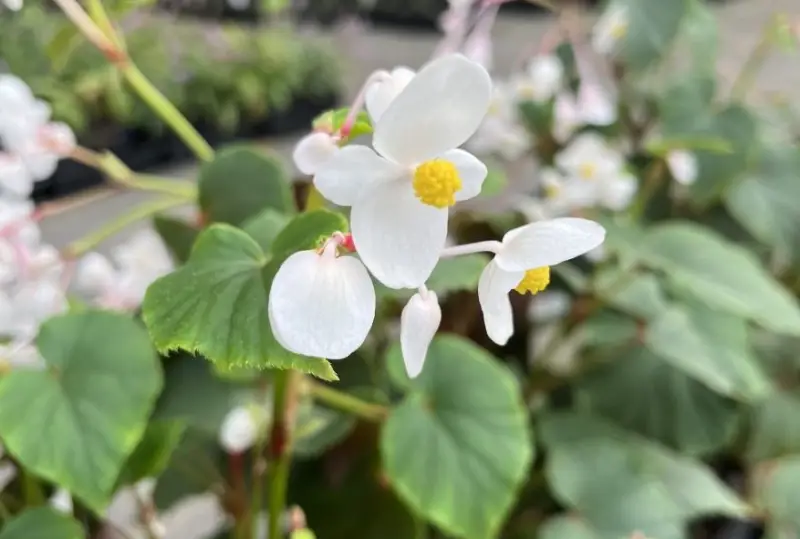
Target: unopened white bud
(239, 430)
(61, 501)
(418, 324)
(683, 166)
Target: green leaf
(652, 28)
(568, 527)
(195, 468)
(644, 394)
(317, 428)
(306, 230)
(638, 295)
(154, 451)
(216, 306)
(332, 120)
(709, 346)
(451, 275)
(699, 37)
(777, 491)
(178, 235)
(774, 429)
(93, 398)
(265, 227)
(465, 425)
(42, 523)
(722, 275)
(621, 483)
(764, 201)
(495, 182)
(240, 183)
(625, 239)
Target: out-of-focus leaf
(42, 523)
(154, 451)
(265, 227)
(318, 428)
(639, 295)
(652, 28)
(178, 235)
(777, 496)
(449, 276)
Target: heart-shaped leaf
(42, 523)
(92, 402)
(458, 447)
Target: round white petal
(381, 94)
(313, 151)
(322, 305)
(418, 324)
(493, 288)
(351, 172)
(15, 180)
(548, 243)
(61, 501)
(95, 274)
(398, 237)
(439, 110)
(471, 170)
(15, 95)
(239, 430)
(618, 191)
(596, 105)
(683, 166)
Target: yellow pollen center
(587, 171)
(534, 281)
(619, 30)
(551, 191)
(436, 182)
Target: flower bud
(61, 501)
(239, 430)
(683, 166)
(312, 151)
(418, 324)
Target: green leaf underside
(42, 523)
(216, 306)
(621, 483)
(91, 403)
(178, 235)
(458, 447)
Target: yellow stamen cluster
(436, 182)
(619, 30)
(587, 171)
(534, 281)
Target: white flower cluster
(322, 302)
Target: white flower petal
(438, 111)
(683, 166)
(617, 192)
(322, 305)
(418, 324)
(566, 117)
(493, 288)
(15, 179)
(239, 430)
(596, 105)
(95, 274)
(313, 151)
(61, 501)
(381, 94)
(351, 172)
(471, 170)
(398, 237)
(548, 243)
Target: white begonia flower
(610, 29)
(596, 106)
(239, 430)
(418, 325)
(589, 158)
(15, 180)
(322, 304)
(542, 80)
(549, 305)
(522, 263)
(95, 274)
(13, 5)
(313, 150)
(61, 501)
(683, 166)
(381, 93)
(616, 192)
(400, 195)
(501, 132)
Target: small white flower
(549, 305)
(13, 5)
(15, 180)
(239, 430)
(313, 150)
(322, 304)
(683, 166)
(61, 501)
(400, 195)
(616, 192)
(380, 94)
(589, 158)
(610, 29)
(418, 324)
(596, 106)
(501, 132)
(523, 263)
(542, 80)
(95, 274)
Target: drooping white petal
(438, 111)
(418, 324)
(313, 151)
(471, 170)
(398, 237)
(683, 166)
(493, 288)
(381, 94)
(239, 430)
(351, 172)
(322, 305)
(548, 243)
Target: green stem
(92, 240)
(279, 450)
(167, 111)
(347, 403)
(31, 489)
(652, 181)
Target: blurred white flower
(522, 263)
(610, 29)
(683, 166)
(589, 158)
(61, 501)
(239, 430)
(381, 93)
(592, 106)
(400, 195)
(616, 192)
(418, 325)
(549, 305)
(13, 5)
(312, 151)
(543, 78)
(322, 304)
(598, 254)
(501, 132)
(15, 180)
(197, 516)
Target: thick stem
(347, 403)
(73, 10)
(651, 183)
(279, 448)
(470, 248)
